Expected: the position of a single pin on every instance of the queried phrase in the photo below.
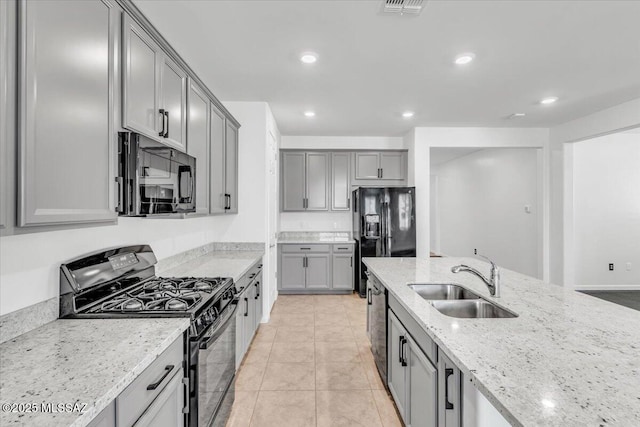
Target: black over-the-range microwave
(153, 178)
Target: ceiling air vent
(412, 7)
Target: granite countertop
(315, 237)
(233, 264)
(568, 359)
(84, 361)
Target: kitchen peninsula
(566, 359)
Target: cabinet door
(240, 350)
(317, 181)
(66, 117)
(449, 392)
(317, 274)
(396, 375)
(342, 271)
(216, 163)
(422, 408)
(392, 165)
(106, 418)
(141, 80)
(231, 167)
(166, 410)
(258, 298)
(340, 184)
(174, 102)
(293, 185)
(292, 271)
(198, 147)
(367, 165)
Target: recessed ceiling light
(549, 100)
(309, 113)
(309, 57)
(464, 58)
(407, 114)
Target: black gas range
(121, 282)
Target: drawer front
(343, 248)
(419, 335)
(135, 399)
(305, 248)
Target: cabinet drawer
(346, 248)
(305, 248)
(135, 399)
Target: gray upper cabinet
(305, 181)
(155, 89)
(141, 60)
(340, 181)
(293, 181)
(198, 134)
(380, 168)
(317, 181)
(217, 199)
(7, 51)
(231, 167)
(66, 116)
(367, 165)
(393, 165)
(173, 101)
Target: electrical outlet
(628, 266)
(475, 252)
(611, 267)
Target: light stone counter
(304, 237)
(569, 359)
(233, 264)
(85, 361)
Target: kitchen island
(567, 359)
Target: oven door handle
(212, 336)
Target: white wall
(424, 138)
(480, 202)
(606, 206)
(29, 263)
(619, 117)
(330, 221)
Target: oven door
(213, 367)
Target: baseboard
(608, 288)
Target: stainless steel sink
(443, 291)
(472, 309)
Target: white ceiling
(372, 67)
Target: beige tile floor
(311, 365)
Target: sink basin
(472, 309)
(443, 291)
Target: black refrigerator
(384, 225)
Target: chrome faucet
(493, 282)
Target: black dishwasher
(377, 324)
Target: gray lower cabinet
(66, 116)
(305, 181)
(198, 131)
(449, 392)
(412, 377)
(106, 418)
(157, 396)
(166, 410)
(249, 313)
(312, 268)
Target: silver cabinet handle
(187, 408)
